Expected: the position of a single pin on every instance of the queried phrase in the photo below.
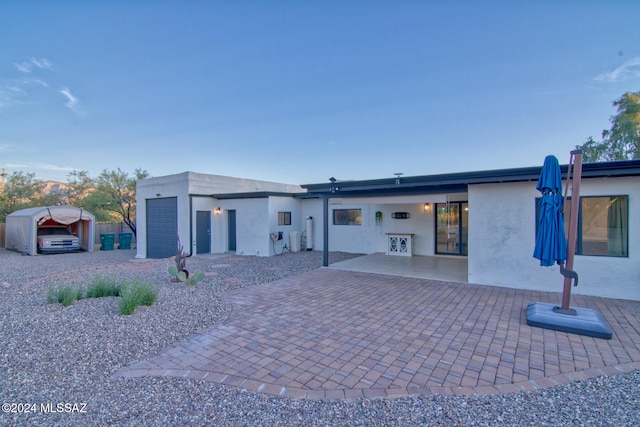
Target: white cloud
(27, 66)
(15, 91)
(41, 63)
(12, 91)
(72, 101)
(35, 81)
(9, 93)
(50, 167)
(626, 71)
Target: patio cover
(22, 226)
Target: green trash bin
(106, 241)
(124, 240)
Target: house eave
(458, 182)
(251, 195)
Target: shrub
(132, 293)
(135, 293)
(103, 287)
(64, 295)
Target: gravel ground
(50, 354)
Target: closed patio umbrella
(552, 246)
(551, 243)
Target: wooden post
(325, 231)
(576, 160)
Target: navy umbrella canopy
(551, 242)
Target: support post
(576, 156)
(325, 231)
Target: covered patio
(438, 267)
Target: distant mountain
(54, 186)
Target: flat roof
(252, 195)
(458, 182)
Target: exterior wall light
(217, 211)
(427, 208)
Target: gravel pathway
(52, 355)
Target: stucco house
(485, 217)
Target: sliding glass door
(452, 222)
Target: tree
(80, 185)
(115, 191)
(621, 141)
(21, 190)
(81, 193)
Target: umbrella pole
(576, 160)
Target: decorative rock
(51, 354)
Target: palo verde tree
(621, 141)
(115, 191)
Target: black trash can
(124, 240)
(106, 241)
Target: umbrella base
(583, 322)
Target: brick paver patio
(330, 334)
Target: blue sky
(298, 92)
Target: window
(347, 216)
(603, 225)
(284, 218)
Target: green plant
(184, 277)
(180, 273)
(134, 293)
(103, 287)
(194, 278)
(64, 295)
(51, 295)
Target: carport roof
(62, 214)
(458, 182)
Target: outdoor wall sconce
(158, 194)
(427, 208)
(217, 211)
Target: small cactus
(178, 271)
(194, 278)
(181, 257)
(176, 274)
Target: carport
(22, 226)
